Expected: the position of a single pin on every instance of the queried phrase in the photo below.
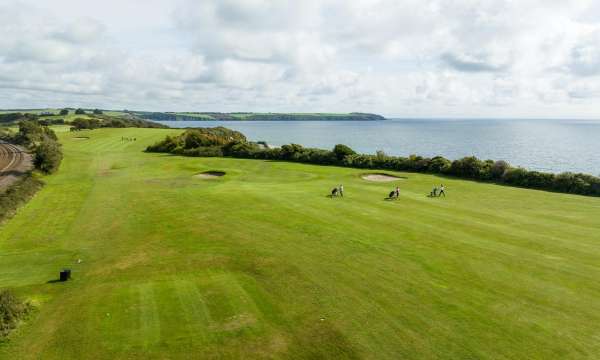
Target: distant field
(68, 118)
(242, 116)
(195, 115)
(262, 264)
(245, 115)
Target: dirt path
(14, 162)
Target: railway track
(14, 162)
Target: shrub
(515, 176)
(167, 145)
(498, 169)
(468, 167)
(6, 135)
(341, 151)
(205, 151)
(193, 139)
(12, 310)
(242, 149)
(48, 155)
(83, 123)
(29, 132)
(291, 151)
(439, 165)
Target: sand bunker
(380, 177)
(210, 174)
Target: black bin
(65, 274)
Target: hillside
(260, 263)
(199, 116)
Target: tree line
(224, 142)
(104, 121)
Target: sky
(398, 58)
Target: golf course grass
(260, 263)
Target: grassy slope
(261, 263)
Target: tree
(290, 151)
(499, 168)
(29, 133)
(80, 111)
(439, 165)
(97, 112)
(341, 151)
(48, 155)
(64, 112)
(468, 167)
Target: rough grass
(17, 194)
(12, 312)
(262, 264)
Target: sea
(543, 145)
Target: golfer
(442, 190)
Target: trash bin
(65, 274)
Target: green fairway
(260, 263)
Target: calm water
(545, 145)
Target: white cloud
(405, 58)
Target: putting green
(260, 263)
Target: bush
(6, 135)
(341, 151)
(471, 168)
(80, 111)
(439, 165)
(29, 132)
(242, 149)
(64, 112)
(291, 151)
(498, 169)
(202, 142)
(12, 310)
(83, 123)
(48, 156)
(204, 151)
